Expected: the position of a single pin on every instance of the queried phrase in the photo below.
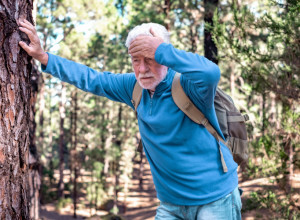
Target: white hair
(144, 29)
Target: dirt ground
(142, 203)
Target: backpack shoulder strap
(136, 95)
(186, 105)
(135, 100)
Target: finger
(154, 34)
(26, 31)
(137, 49)
(142, 52)
(24, 46)
(27, 22)
(29, 33)
(28, 26)
(136, 54)
(136, 42)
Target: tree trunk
(264, 118)
(141, 170)
(41, 111)
(109, 139)
(166, 9)
(75, 159)
(15, 69)
(210, 49)
(61, 185)
(232, 81)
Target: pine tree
(15, 107)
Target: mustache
(148, 74)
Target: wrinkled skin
(147, 71)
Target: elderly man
(185, 159)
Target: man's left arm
(199, 78)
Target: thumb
(24, 46)
(154, 34)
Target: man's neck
(151, 92)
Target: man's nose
(143, 68)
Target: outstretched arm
(117, 87)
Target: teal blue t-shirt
(184, 157)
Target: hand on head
(145, 45)
(34, 49)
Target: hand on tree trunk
(34, 49)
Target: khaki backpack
(231, 121)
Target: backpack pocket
(237, 140)
(239, 149)
(236, 125)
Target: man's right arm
(117, 87)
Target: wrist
(43, 58)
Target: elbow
(213, 73)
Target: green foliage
(268, 199)
(265, 45)
(63, 203)
(47, 195)
(114, 210)
(95, 193)
(258, 48)
(112, 217)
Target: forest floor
(142, 203)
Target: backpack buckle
(133, 102)
(246, 117)
(204, 122)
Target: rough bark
(41, 111)
(210, 49)
(15, 69)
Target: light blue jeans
(227, 208)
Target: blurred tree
(264, 44)
(62, 114)
(34, 161)
(210, 49)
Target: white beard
(146, 85)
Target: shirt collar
(166, 82)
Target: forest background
(76, 135)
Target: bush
(62, 203)
(268, 199)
